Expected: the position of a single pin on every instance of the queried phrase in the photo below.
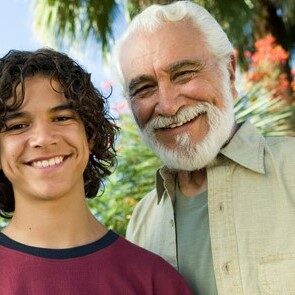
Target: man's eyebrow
(137, 80)
(184, 63)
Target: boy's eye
(63, 118)
(15, 127)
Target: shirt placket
(222, 229)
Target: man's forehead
(169, 30)
(162, 48)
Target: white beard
(190, 156)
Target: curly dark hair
(86, 100)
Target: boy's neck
(55, 226)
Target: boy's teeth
(46, 163)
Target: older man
(223, 211)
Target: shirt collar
(245, 148)
(165, 180)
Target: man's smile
(170, 123)
(180, 123)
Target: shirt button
(172, 222)
(227, 268)
(221, 206)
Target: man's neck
(192, 183)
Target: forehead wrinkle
(175, 66)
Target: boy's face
(44, 149)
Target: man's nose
(169, 99)
(43, 134)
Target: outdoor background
(262, 31)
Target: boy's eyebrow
(61, 107)
(24, 114)
(15, 114)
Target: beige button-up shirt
(251, 201)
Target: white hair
(155, 15)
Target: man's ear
(232, 74)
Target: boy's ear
(90, 144)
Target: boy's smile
(45, 163)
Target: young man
(223, 211)
(56, 146)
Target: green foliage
(133, 178)
(272, 116)
(3, 222)
(72, 21)
(243, 20)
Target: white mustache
(183, 116)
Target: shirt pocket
(277, 274)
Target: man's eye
(143, 91)
(184, 76)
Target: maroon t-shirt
(111, 265)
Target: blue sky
(15, 26)
(16, 32)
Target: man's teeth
(48, 163)
(180, 123)
(176, 125)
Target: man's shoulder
(279, 153)
(142, 216)
(282, 147)
(150, 198)
(145, 206)
(283, 142)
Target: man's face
(179, 94)
(44, 149)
